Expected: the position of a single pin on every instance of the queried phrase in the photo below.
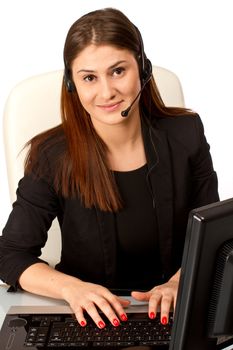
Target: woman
(120, 173)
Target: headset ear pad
(147, 71)
(68, 81)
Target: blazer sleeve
(204, 178)
(25, 232)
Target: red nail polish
(116, 322)
(83, 323)
(164, 320)
(101, 324)
(124, 317)
(152, 315)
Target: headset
(145, 68)
(68, 80)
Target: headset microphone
(146, 79)
(127, 110)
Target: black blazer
(181, 177)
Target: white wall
(191, 37)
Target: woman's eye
(118, 71)
(89, 78)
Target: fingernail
(124, 317)
(152, 315)
(164, 320)
(115, 322)
(101, 324)
(83, 323)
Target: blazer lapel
(160, 175)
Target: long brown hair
(82, 167)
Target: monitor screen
(203, 317)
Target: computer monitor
(204, 313)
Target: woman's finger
(113, 307)
(93, 313)
(154, 302)
(166, 302)
(79, 316)
(105, 306)
(141, 296)
(118, 305)
(123, 301)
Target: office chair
(34, 106)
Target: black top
(137, 242)
(181, 175)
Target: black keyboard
(60, 331)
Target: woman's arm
(25, 232)
(82, 296)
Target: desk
(22, 298)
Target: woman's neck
(125, 145)
(120, 134)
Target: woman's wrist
(67, 285)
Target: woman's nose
(106, 89)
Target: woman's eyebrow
(93, 71)
(117, 64)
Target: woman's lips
(110, 107)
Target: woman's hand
(164, 295)
(89, 297)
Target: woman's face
(107, 81)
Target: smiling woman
(107, 80)
(121, 173)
